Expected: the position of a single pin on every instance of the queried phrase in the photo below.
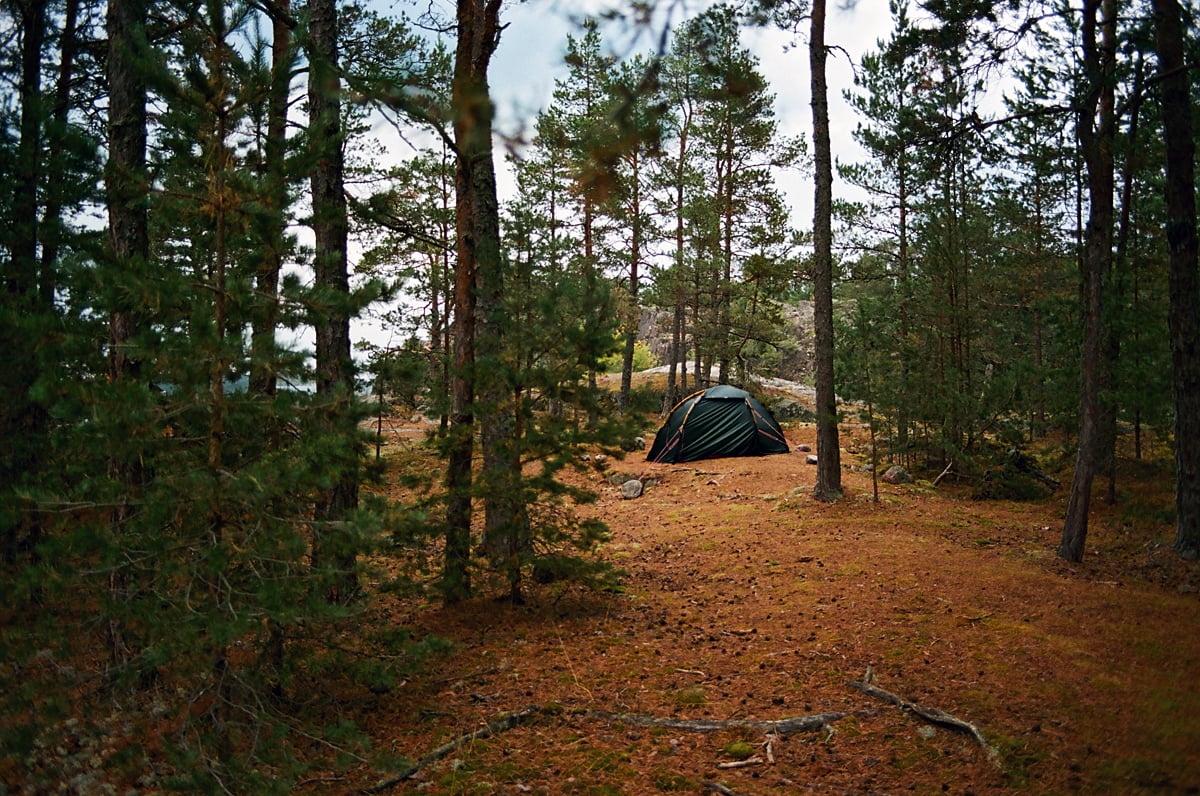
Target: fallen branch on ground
(812, 722)
(944, 473)
(809, 723)
(502, 724)
(932, 715)
(717, 787)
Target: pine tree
(1095, 128)
(478, 276)
(828, 486)
(1185, 294)
(334, 367)
(888, 81)
(737, 145)
(637, 117)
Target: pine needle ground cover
(746, 600)
(747, 609)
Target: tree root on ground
(809, 723)
(493, 727)
(796, 724)
(931, 715)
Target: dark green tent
(717, 422)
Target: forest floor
(746, 600)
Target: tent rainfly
(717, 422)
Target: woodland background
(190, 507)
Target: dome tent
(717, 422)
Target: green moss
(739, 750)
(690, 697)
(1017, 758)
(669, 781)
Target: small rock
(896, 475)
(631, 489)
(811, 458)
(804, 448)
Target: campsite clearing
(745, 601)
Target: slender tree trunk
(263, 379)
(635, 256)
(22, 419)
(335, 368)
(1115, 292)
(127, 185)
(27, 173)
(52, 225)
(1095, 131)
(828, 486)
(478, 247)
(905, 290)
(505, 525)
(1184, 313)
(217, 158)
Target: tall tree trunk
(263, 379)
(828, 486)
(27, 172)
(127, 184)
(1184, 313)
(1115, 290)
(905, 290)
(22, 420)
(478, 248)
(52, 224)
(635, 256)
(335, 368)
(1096, 133)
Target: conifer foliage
(173, 517)
(195, 210)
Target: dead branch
(944, 473)
(931, 715)
(717, 787)
(809, 723)
(501, 724)
(749, 761)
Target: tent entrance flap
(718, 422)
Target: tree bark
(828, 485)
(506, 523)
(478, 248)
(22, 420)
(1184, 312)
(126, 184)
(52, 226)
(1115, 290)
(635, 256)
(335, 368)
(1095, 130)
